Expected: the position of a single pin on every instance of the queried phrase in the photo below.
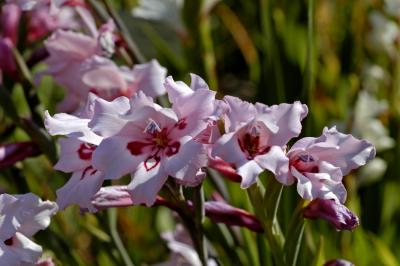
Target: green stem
(199, 213)
(310, 75)
(294, 235)
(257, 201)
(112, 219)
(31, 96)
(36, 133)
(199, 47)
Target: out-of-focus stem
(200, 49)
(310, 68)
(36, 133)
(132, 47)
(199, 213)
(271, 60)
(112, 219)
(256, 199)
(28, 86)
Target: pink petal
(69, 157)
(80, 189)
(249, 172)
(149, 78)
(107, 119)
(324, 185)
(71, 126)
(288, 118)
(276, 162)
(239, 112)
(146, 184)
(186, 163)
(33, 213)
(350, 153)
(228, 149)
(23, 251)
(113, 158)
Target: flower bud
(225, 169)
(15, 152)
(333, 212)
(338, 262)
(10, 17)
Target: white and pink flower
(319, 164)
(21, 216)
(256, 137)
(77, 150)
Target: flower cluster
(151, 143)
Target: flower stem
(267, 222)
(112, 219)
(199, 211)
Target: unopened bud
(333, 212)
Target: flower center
(158, 144)
(85, 151)
(250, 143)
(8, 242)
(305, 163)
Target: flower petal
(227, 148)
(186, 163)
(113, 158)
(288, 118)
(71, 126)
(146, 184)
(249, 172)
(276, 162)
(80, 189)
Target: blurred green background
(339, 57)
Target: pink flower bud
(333, 212)
(221, 212)
(14, 152)
(7, 63)
(225, 169)
(10, 17)
(45, 262)
(338, 262)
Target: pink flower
(42, 21)
(21, 216)
(79, 63)
(319, 164)
(77, 150)
(156, 142)
(256, 136)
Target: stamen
(306, 158)
(152, 127)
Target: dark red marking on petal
(85, 151)
(181, 124)
(172, 149)
(136, 147)
(94, 91)
(87, 169)
(147, 164)
(315, 169)
(251, 145)
(9, 241)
